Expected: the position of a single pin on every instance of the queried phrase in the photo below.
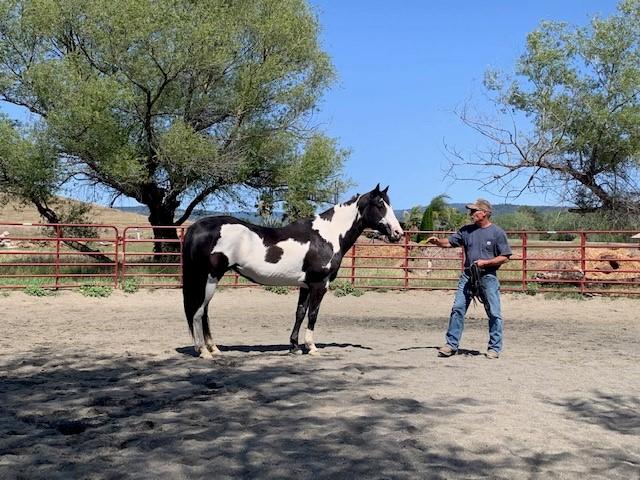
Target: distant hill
(498, 209)
(503, 208)
(198, 213)
(14, 212)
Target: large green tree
(168, 102)
(568, 122)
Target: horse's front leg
(301, 311)
(317, 292)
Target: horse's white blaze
(390, 219)
(246, 250)
(344, 216)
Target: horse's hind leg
(218, 265)
(212, 284)
(301, 311)
(201, 330)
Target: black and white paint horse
(307, 253)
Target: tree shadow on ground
(616, 412)
(68, 415)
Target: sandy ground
(109, 388)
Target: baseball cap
(480, 204)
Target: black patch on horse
(328, 215)
(274, 254)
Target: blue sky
(403, 67)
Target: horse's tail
(194, 275)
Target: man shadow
(461, 351)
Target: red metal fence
(68, 256)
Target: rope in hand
(475, 286)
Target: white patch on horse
(245, 249)
(344, 216)
(390, 219)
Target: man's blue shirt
(481, 243)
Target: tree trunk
(166, 238)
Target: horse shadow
(191, 351)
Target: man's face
(477, 215)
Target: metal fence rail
(581, 262)
(58, 255)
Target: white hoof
(313, 350)
(208, 352)
(202, 353)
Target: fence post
(123, 266)
(57, 263)
(524, 261)
(406, 260)
(353, 264)
(116, 254)
(583, 260)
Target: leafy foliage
(165, 102)
(572, 110)
(438, 215)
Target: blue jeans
(491, 287)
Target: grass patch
(564, 296)
(95, 290)
(342, 288)
(38, 291)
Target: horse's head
(376, 212)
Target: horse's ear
(385, 190)
(377, 189)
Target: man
(485, 245)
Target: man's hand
(433, 241)
(492, 262)
(482, 263)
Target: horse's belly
(271, 276)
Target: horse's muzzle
(396, 236)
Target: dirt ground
(109, 389)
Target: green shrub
(532, 288)
(38, 291)
(277, 289)
(130, 285)
(95, 290)
(341, 288)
